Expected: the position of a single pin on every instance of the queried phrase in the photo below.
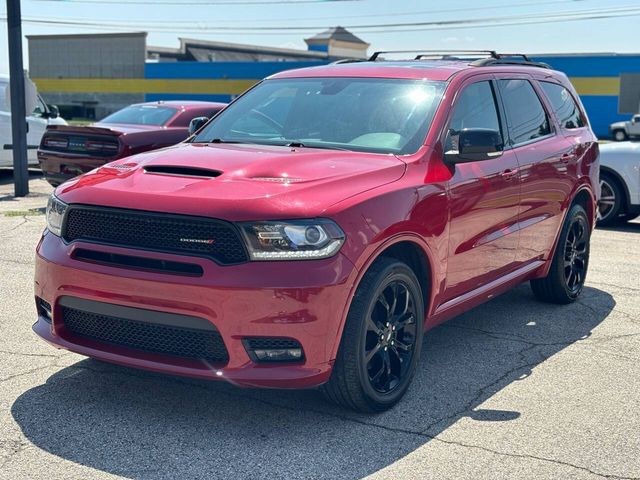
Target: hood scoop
(182, 171)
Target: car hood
(234, 182)
(618, 125)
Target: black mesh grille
(268, 343)
(158, 338)
(155, 231)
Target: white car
(619, 182)
(38, 120)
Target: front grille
(138, 263)
(180, 234)
(146, 336)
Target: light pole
(18, 113)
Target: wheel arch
(410, 249)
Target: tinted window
(526, 116)
(475, 108)
(563, 105)
(362, 114)
(141, 115)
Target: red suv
(312, 231)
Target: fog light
(273, 349)
(287, 355)
(44, 309)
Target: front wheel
(620, 135)
(381, 340)
(565, 280)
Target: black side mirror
(196, 124)
(53, 111)
(476, 144)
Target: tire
(611, 203)
(565, 280)
(620, 135)
(376, 383)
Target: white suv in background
(619, 182)
(38, 120)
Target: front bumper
(304, 300)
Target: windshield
(361, 114)
(141, 115)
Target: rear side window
(526, 116)
(563, 105)
(476, 108)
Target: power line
(391, 14)
(576, 15)
(195, 2)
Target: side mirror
(476, 144)
(196, 124)
(53, 111)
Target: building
(608, 84)
(93, 75)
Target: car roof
(437, 70)
(184, 104)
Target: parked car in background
(619, 182)
(69, 151)
(312, 232)
(621, 131)
(38, 120)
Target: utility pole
(18, 113)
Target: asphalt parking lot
(512, 389)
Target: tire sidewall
(575, 212)
(393, 272)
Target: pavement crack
(535, 457)
(21, 354)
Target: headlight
(293, 240)
(55, 214)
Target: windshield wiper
(298, 144)
(220, 140)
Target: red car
(67, 151)
(312, 232)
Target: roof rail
(443, 54)
(504, 60)
(348, 60)
(490, 57)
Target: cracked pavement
(511, 389)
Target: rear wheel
(611, 201)
(381, 341)
(565, 280)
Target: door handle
(568, 157)
(508, 174)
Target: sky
(526, 26)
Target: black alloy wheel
(391, 336)
(568, 270)
(381, 341)
(576, 255)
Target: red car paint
(483, 227)
(128, 139)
